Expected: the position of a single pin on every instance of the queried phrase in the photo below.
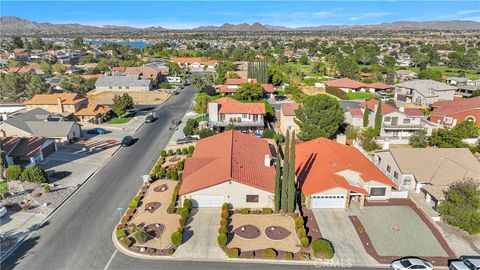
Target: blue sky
(188, 14)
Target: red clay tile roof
(230, 105)
(288, 109)
(120, 69)
(345, 83)
(318, 161)
(267, 87)
(356, 111)
(224, 89)
(92, 110)
(25, 147)
(145, 72)
(228, 156)
(444, 108)
(371, 106)
(379, 85)
(413, 112)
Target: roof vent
(267, 161)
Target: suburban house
(405, 75)
(151, 73)
(451, 113)
(378, 87)
(287, 117)
(40, 123)
(457, 80)
(93, 113)
(424, 92)
(195, 64)
(334, 175)
(466, 90)
(232, 85)
(63, 103)
(122, 83)
(230, 167)
(248, 117)
(26, 151)
(346, 85)
(430, 170)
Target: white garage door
(328, 201)
(207, 201)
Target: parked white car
(467, 264)
(411, 263)
(3, 211)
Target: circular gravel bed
(277, 232)
(247, 231)
(152, 206)
(155, 229)
(161, 188)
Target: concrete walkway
(200, 236)
(336, 227)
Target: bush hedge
(337, 92)
(301, 232)
(304, 241)
(223, 221)
(126, 241)
(222, 239)
(14, 172)
(140, 235)
(191, 148)
(120, 233)
(288, 256)
(187, 203)
(269, 253)
(232, 252)
(322, 248)
(180, 165)
(244, 211)
(224, 214)
(267, 211)
(133, 204)
(225, 206)
(163, 153)
(177, 238)
(222, 229)
(184, 151)
(299, 222)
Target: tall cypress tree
(278, 188)
(365, 116)
(378, 117)
(291, 176)
(284, 199)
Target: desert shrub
(191, 148)
(225, 206)
(140, 235)
(244, 211)
(267, 211)
(34, 175)
(302, 232)
(288, 256)
(170, 152)
(184, 151)
(224, 214)
(171, 208)
(181, 221)
(14, 172)
(299, 222)
(304, 242)
(154, 176)
(222, 239)
(223, 221)
(175, 175)
(302, 198)
(232, 252)
(138, 198)
(187, 203)
(46, 188)
(177, 238)
(180, 165)
(120, 226)
(269, 253)
(180, 229)
(133, 204)
(323, 248)
(168, 175)
(222, 229)
(120, 233)
(163, 153)
(178, 151)
(183, 212)
(126, 242)
(125, 219)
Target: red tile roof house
(333, 175)
(244, 116)
(26, 151)
(230, 167)
(451, 113)
(195, 64)
(398, 124)
(232, 85)
(346, 85)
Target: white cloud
(321, 13)
(470, 11)
(375, 14)
(354, 18)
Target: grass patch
(119, 120)
(359, 95)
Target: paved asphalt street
(78, 235)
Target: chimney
(341, 139)
(267, 161)
(402, 109)
(59, 103)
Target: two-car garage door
(328, 201)
(207, 201)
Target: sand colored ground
(139, 97)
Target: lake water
(133, 44)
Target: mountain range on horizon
(15, 25)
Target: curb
(32, 231)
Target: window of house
(448, 120)
(389, 168)
(252, 198)
(378, 191)
(244, 115)
(387, 119)
(406, 121)
(407, 181)
(395, 175)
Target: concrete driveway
(336, 227)
(200, 236)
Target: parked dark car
(192, 138)
(97, 131)
(280, 98)
(176, 93)
(127, 141)
(182, 141)
(149, 118)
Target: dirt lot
(139, 98)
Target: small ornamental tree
(419, 139)
(140, 235)
(222, 239)
(366, 113)
(322, 248)
(14, 172)
(378, 117)
(34, 175)
(278, 188)
(291, 177)
(286, 168)
(462, 206)
(177, 238)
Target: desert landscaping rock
(155, 229)
(247, 231)
(152, 206)
(277, 232)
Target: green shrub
(178, 151)
(120, 233)
(302, 232)
(181, 221)
(244, 211)
(170, 152)
(163, 153)
(288, 256)
(323, 248)
(304, 242)
(46, 188)
(268, 133)
(34, 175)
(177, 238)
(224, 214)
(302, 198)
(187, 203)
(222, 239)
(133, 204)
(225, 206)
(223, 221)
(180, 165)
(267, 211)
(337, 92)
(174, 175)
(183, 212)
(191, 148)
(137, 198)
(126, 242)
(14, 172)
(222, 229)
(168, 175)
(269, 253)
(154, 176)
(184, 151)
(299, 222)
(140, 235)
(171, 208)
(232, 252)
